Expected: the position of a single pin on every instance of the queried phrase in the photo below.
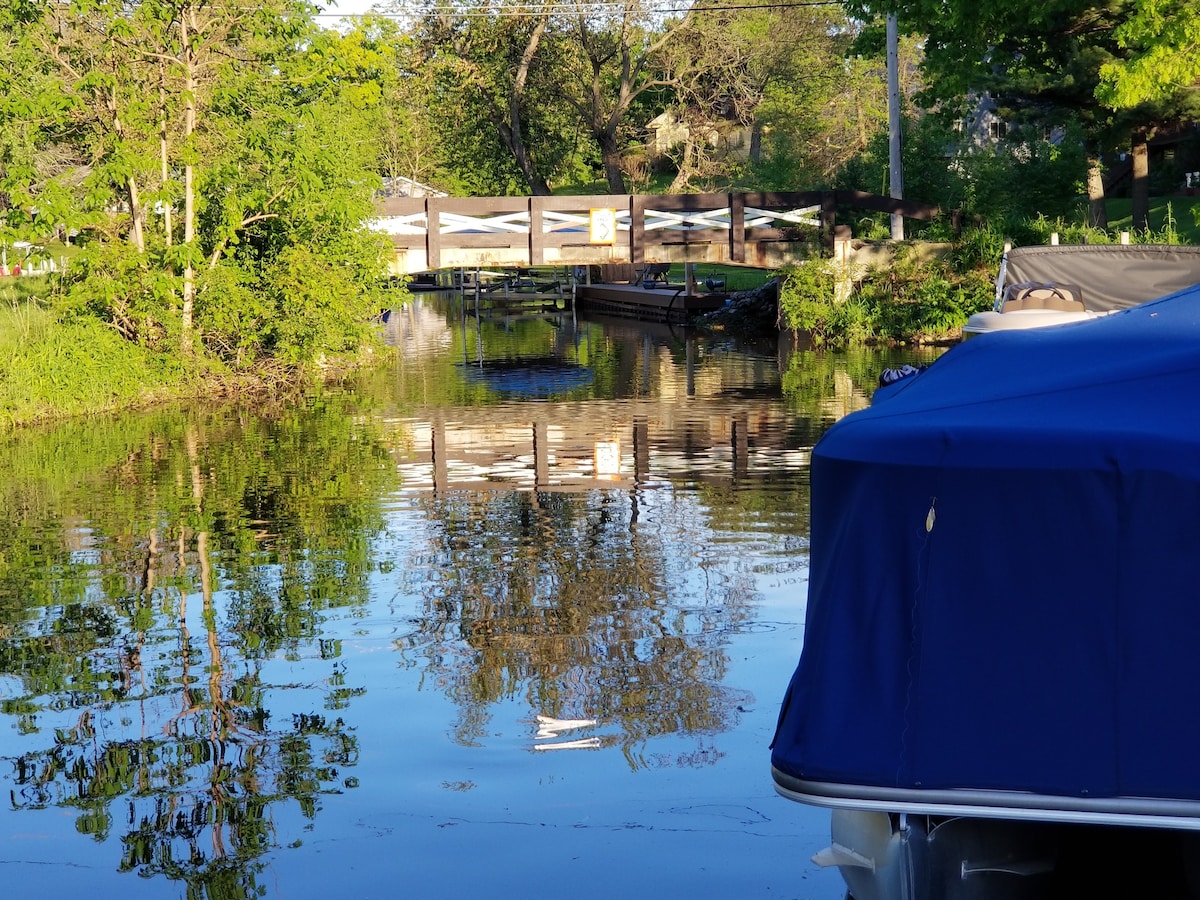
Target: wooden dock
(662, 303)
(514, 292)
(522, 291)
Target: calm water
(509, 618)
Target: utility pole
(895, 161)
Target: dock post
(739, 439)
(641, 448)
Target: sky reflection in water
(421, 636)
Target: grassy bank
(57, 369)
(54, 369)
(1167, 214)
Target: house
(399, 186)
(668, 131)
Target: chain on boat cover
(1004, 594)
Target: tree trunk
(189, 184)
(614, 174)
(1097, 211)
(137, 236)
(686, 167)
(163, 147)
(510, 134)
(537, 184)
(1141, 181)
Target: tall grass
(22, 318)
(53, 369)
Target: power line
(558, 7)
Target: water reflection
(565, 601)
(159, 564)
(217, 625)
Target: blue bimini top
(1004, 593)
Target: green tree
(824, 105)
(289, 263)
(611, 60)
(411, 144)
(487, 79)
(1041, 64)
(196, 146)
(747, 70)
(483, 56)
(1161, 38)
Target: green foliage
(978, 249)
(1168, 215)
(79, 366)
(1166, 229)
(1043, 60)
(914, 300)
(122, 289)
(1161, 37)
(22, 316)
(922, 302)
(809, 304)
(472, 123)
(316, 310)
(978, 182)
(119, 123)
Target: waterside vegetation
(195, 181)
(930, 289)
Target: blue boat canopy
(1004, 593)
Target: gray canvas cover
(1112, 276)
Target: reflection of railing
(565, 454)
(742, 228)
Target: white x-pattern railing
(555, 221)
(740, 228)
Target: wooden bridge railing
(757, 229)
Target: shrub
(910, 301)
(925, 302)
(809, 304)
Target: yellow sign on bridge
(604, 226)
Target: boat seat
(1043, 295)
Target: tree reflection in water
(147, 729)
(176, 588)
(563, 600)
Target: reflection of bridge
(694, 417)
(571, 448)
(753, 229)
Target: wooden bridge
(766, 230)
